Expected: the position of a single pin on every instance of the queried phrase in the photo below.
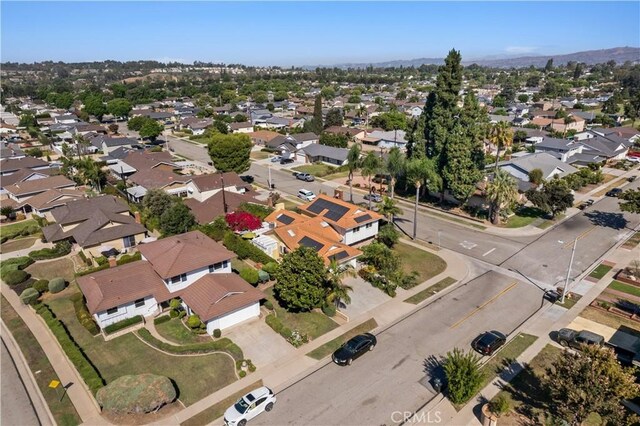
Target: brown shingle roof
(212, 207)
(53, 198)
(215, 295)
(123, 284)
(183, 253)
(22, 163)
(157, 178)
(213, 181)
(22, 174)
(146, 159)
(39, 185)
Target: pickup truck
(304, 176)
(574, 339)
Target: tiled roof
(157, 178)
(212, 181)
(22, 163)
(182, 253)
(214, 295)
(123, 284)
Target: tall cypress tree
(316, 123)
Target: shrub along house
(189, 266)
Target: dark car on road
(575, 339)
(354, 348)
(247, 178)
(488, 342)
(586, 204)
(614, 192)
(286, 160)
(631, 178)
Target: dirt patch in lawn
(49, 269)
(19, 244)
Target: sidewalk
(552, 318)
(295, 367)
(80, 396)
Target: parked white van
(306, 195)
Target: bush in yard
(15, 277)
(101, 260)
(300, 280)
(268, 305)
(142, 393)
(388, 235)
(243, 221)
(500, 405)
(194, 322)
(217, 333)
(160, 320)
(62, 248)
(29, 296)
(242, 373)
(14, 264)
(82, 314)
(263, 276)
(128, 258)
(117, 326)
(41, 285)
(250, 275)
(329, 310)
(56, 285)
(244, 249)
(463, 374)
(270, 268)
(257, 210)
(215, 230)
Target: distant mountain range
(590, 57)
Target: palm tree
(419, 171)
(353, 163)
(81, 142)
(501, 192)
(395, 166)
(337, 291)
(370, 166)
(388, 208)
(501, 136)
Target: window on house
(356, 229)
(211, 268)
(129, 241)
(112, 311)
(178, 278)
(368, 225)
(139, 303)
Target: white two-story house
(191, 267)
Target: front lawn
(313, 324)
(523, 217)
(625, 288)
(632, 242)
(426, 264)
(600, 271)
(316, 169)
(430, 291)
(611, 320)
(19, 244)
(569, 302)
(175, 331)
(195, 376)
(525, 391)
(14, 228)
(330, 347)
(63, 411)
(259, 155)
(46, 270)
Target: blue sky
(307, 33)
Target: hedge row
(83, 315)
(222, 345)
(277, 326)
(117, 326)
(14, 264)
(62, 248)
(160, 320)
(85, 259)
(92, 270)
(244, 249)
(24, 232)
(87, 371)
(127, 258)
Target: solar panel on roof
(310, 242)
(283, 218)
(362, 218)
(334, 213)
(339, 255)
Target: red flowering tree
(243, 221)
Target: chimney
(112, 262)
(137, 216)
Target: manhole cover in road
(468, 245)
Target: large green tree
(393, 120)
(463, 373)
(230, 153)
(176, 219)
(300, 280)
(151, 129)
(156, 201)
(316, 125)
(94, 105)
(554, 197)
(353, 163)
(334, 118)
(335, 140)
(119, 107)
(592, 381)
(394, 166)
(459, 172)
(631, 201)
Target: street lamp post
(566, 282)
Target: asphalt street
(387, 381)
(16, 407)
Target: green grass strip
(330, 347)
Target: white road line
(489, 252)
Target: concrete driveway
(364, 297)
(259, 342)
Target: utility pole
(224, 200)
(566, 283)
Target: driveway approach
(387, 379)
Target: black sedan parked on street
(488, 342)
(354, 348)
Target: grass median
(506, 356)
(600, 271)
(430, 291)
(329, 347)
